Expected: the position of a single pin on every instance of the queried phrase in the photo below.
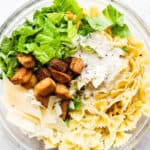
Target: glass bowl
(139, 30)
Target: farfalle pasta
(106, 92)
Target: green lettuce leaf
(71, 30)
(8, 61)
(44, 53)
(56, 18)
(99, 23)
(68, 5)
(85, 28)
(26, 31)
(113, 15)
(6, 45)
(12, 65)
(110, 18)
(3, 66)
(121, 31)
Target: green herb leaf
(125, 48)
(77, 104)
(67, 121)
(88, 49)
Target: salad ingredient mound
(52, 32)
(75, 78)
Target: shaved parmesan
(58, 109)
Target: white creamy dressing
(102, 66)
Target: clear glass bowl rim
(131, 143)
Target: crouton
(62, 91)
(43, 99)
(42, 73)
(27, 61)
(31, 83)
(21, 76)
(68, 60)
(59, 65)
(64, 107)
(60, 76)
(76, 65)
(45, 87)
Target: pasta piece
(77, 115)
(101, 105)
(120, 42)
(146, 108)
(115, 93)
(101, 95)
(115, 122)
(102, 121)
(48, 144)
(93, 11)
(121, 138)
(135, 43)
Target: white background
(142, 8)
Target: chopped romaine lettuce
(72, 30)
(113, 15)
(85, 28)
(121, 31)
(56, 18)
(99, 23)
(110, 18)
(68, 5)
(51, 33)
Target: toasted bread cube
(21, 76)
(31, 83)
(42, 73)
(27, 61)
(76, 65)
(27, 77)
(64, 107)
(62, 91)
(45, 87)
(43, 99)
(60, 76)
(59, 65)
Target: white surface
(142, 7)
